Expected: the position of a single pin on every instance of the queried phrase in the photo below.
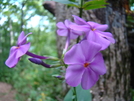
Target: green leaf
(74, 5)
(94, 7)
(94, 4)
(69, 95)
(82, 95)
(72, 0)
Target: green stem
(62, 61)
(75, 94)
(80, 15)
(78, 39)
(81, 9)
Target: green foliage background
(32, 82)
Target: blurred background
(31, 82)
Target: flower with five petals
(85, 64)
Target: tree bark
(115, 84)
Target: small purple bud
(59, 77)
(36, 61)
(39, 62)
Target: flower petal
(22, 38)
(62, 32)
(73, 35)
(13, 49)
(22, 50)
(67, 23)
(92, 24)
(79, 20)
(61, 25)
(84, 28)
(98, 65)
(77, 32)
(101, 27)
(91, 36)
(89, 79)
(74, 74)
(90, 49)
(102, 41)
(11, 61)
(97, 26)
(107, 35)
(74, 55)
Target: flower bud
(39, 62)
(59, 77)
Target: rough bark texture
(114, 85)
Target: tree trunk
(115, 84)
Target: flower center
(86, 65)
(93, 29)
(17, 47)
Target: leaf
(66, 2)
(69, 95)
(82, 95)
(94, 7)
(72, 0)
(94, 4)
(74, 5)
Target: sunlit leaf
(74, 5)
(94, 7)
(94, 4)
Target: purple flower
(65, 30)
(16, 52)
(85, 64)
(94, 31)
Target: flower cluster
(84, 60)
(65, 30)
